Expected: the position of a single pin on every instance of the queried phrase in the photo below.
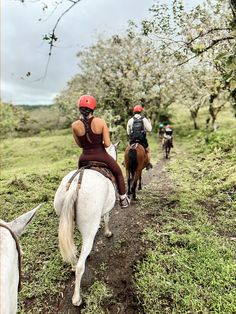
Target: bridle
(18, 251)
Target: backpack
(138, 132)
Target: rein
(18, 251)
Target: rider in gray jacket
(137, 127)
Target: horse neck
(111, 150)
(9, 272)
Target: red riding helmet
(87, 101)
(138, 108)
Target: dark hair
(85, 113)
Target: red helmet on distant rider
(138, 108)
(87, 101)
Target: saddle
(135, 145)
(100, 167)
(93, 165)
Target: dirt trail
(112, 260)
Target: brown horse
(167, 145)
(136, 159)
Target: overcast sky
(23, 49)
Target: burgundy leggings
(103, 156)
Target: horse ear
(117, 143)
(18, 225)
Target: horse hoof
(109, 234)
(76, 302)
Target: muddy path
(112, 260)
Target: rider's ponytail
(85, 114)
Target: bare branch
(201, 34)
(213, 43)
(232, 4)
(52, 38)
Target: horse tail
(67, 225)
(133, 162)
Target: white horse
(10, 260)
(94, 199)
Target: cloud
(24, 50)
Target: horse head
(10, 261)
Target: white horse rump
(95, 198)
(10, 260)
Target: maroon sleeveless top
(91, 141)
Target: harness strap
(105, 171)
(71, 179)
(81, 173)
(134, 145)
(18, 251)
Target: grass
(96, 295)
(191, 266)
(38, 155)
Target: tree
(206, 33)
(121, 72)
(216, 100)
(13, 119)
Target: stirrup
(125, 202)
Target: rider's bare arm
(106, 135)
(75, 133)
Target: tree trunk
(214, 124)
(212, 113)
(194, 117)
(195, 124)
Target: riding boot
(124, 201)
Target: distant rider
(137, 127)
(161, 129)
(92, 134)
(168, 134)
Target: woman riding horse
(92, 134)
